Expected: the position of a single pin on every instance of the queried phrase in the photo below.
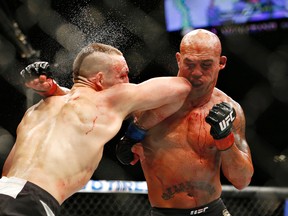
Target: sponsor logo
(226, 122)
(198, 211)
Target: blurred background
(254, 36)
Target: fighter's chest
(190, 129)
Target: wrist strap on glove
(50, 92)
(225, 143)
(133, 135)
(135, 132)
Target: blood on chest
(179, 135)
(198, 131)
(191, 132)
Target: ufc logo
(198, 211)
(226, 122)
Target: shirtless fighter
(60, 140)
(182, 157)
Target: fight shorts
(215, 208)
(20, 197)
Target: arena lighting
(280, 158)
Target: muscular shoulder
(220, 96)
(87, 104)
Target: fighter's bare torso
(180, 161)
(62, 159)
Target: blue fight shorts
(20, 197)
(215, 208)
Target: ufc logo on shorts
(229, 119)
(198, 211)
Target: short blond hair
(88, 50)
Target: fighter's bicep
(239, 128)
(239, 125)
(133, 98)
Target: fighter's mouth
(196, 83)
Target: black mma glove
(133, 135)
(33, 71)
(221, 117)
(36, 69)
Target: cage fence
(128, 198)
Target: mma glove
(133, 135)
(221, 118)
(34, 71)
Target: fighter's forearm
(150, 118)
(237, 166)
(54, 90)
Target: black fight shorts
(23, 198)
(215, 208)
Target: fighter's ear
(99, 79)
(222, 63)
(178, 58)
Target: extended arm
(143, 121)
(158, 92)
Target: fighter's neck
(81, 81)
(199, 100)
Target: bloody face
(200, 66)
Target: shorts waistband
(31, 188)
(201, 210)
(43, 195)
